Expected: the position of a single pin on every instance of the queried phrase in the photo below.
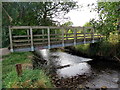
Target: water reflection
(69, 65)
(44, 53)
(73, 70)
(65, 59)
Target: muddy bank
(71, 82)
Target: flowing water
(67, 66)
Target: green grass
(84, 48)
(30, 78)
(9, 62)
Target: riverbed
(68, 70)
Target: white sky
(80, 17)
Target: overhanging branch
(8, 15)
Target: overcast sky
(81, 16)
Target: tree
(69, 23)
(33, 13)
(108, 15)
(27, 13)
(87, 24)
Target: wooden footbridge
(47, 37)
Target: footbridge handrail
(50, 37)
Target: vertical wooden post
(42, 31)
(100, 37)
(84, 35)
(31, 35)
(55, 31)
(63, 37)
(48, 38)
(66, 33)
(43, 34)
(92, 35)
(10, 36)
(75, 37)
(28, 33)
(19, 69)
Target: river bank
(97, 51)
(109, 57)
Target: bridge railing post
(84, 35)
(28, 33)
(48, 29)
(75, 36)
(63, 37)
(43, 34)
(31, 35)
(10, 36)
(92, 35)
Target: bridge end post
(10, 36)
(11, 50)
(48, 29)
(32, 48)
(31, 34)
(93, 41)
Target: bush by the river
(107, 48)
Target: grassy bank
(106, 48)
(30, 78)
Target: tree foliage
(33, 13)
(69, 23)
(27, 13)
(108, 17)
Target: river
(77, 71)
